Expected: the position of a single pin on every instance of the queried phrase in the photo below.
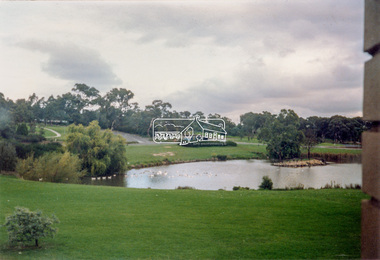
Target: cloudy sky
(213, 56)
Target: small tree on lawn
(25, 226)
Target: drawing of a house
(198, 131)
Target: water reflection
(118, 180)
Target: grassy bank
(148, 155)
(113, 223)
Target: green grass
(60, 129)
(244, 139)
(330, 145)
(150, 154)
(334, 150)
(119, 223)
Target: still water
(227, 174)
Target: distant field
(119, 223)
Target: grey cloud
(74, 63)
(338, 92)
(242, 22)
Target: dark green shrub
(37, 149)
(266, 184)
(240, 188)
(32, 138)
(185, 188)
(231, 143)
(221, 157)
(22, 129)
(28, 226)
(8, 157)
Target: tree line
(116, 111)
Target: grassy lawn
(330, 145)
(244, 139)
(334, 150)
(60, 129)
(117, 223)
(148, 154)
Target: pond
(227, 174)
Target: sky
(225, 57)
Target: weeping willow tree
(101, 152)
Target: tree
(25, 226)
(253, 122)
(113, 107)
(158, 109)
(22, 111)
(282, 135)
(101, 152)
(22, 129)
(8, 157)
(310, 140)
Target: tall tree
(282, 135)
(113, 106)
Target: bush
(221, 157)
(231, 143)
(25, 226)
(51, 167)
(240, 188)
(266, 184)
(185, 188)
(8, 157)
(22, 129)
(37, 149)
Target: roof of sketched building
(207, 126)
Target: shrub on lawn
(266, 184)
(25, 226)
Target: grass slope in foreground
(113, 223)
